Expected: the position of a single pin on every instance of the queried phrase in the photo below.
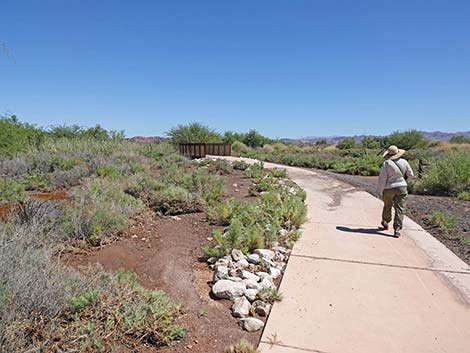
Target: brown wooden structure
(200, 150)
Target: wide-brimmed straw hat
(393, 152)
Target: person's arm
(408, 171)
(382, 180)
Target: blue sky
(287, 68)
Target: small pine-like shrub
(270, 295)
(464, 195)
(11, 191)
(443, 221)
(243, 346)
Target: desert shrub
(107, 171)
(223, 212)
(100, 209)
(254, 139)
(278, 173)
(255, 170)
(464, 195)
(16, 136)
(254, 225)
(270, 295)
(346, 143)
(240, 165)
(365, 165)
(239, 148)
(221, 165)
(174, 200)
(371, 142)
(443, 221)
(202, 183)
(460, 139)
(268, 148)
(448, 175)
(11, 191)
(37, 181)
(193, 132)
(406, 140)
(242, 346)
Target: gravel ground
(420, 207)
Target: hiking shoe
(397, 233)
(384, 225)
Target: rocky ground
(165, 252)
(420, 207)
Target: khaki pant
(396, 198)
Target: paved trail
(350, 288)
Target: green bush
(464, 195)
(278, 173)
(460, 139)
(449, 175)
(193, 133)
(255, 170)
(174, 200)
(242, 346)
(270, 295)
(406, 140)
(11, 191)
(346, 144)
(442, 221)
(240, 165)
(18, 137)
(100, 210)
(239, 148)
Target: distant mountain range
(433, 135)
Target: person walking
(393, 188)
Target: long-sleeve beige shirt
(393, 175)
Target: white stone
(251, 324)
(267, 282)
(220, 273)
(251, 294)
(211, 260)
(274, 272)
(251, 284)
(262, 308)
(237, 255)
(265, 253)
(250, 276)
(234, 279)
(226, 289)
(242, 264)
(241, 307)
(253, 259)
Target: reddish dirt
(165, 253)
(6, 209)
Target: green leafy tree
(192, 133)
(406, 140)
(16, 136)
(346, 144)
(254, 139)
(371, 142)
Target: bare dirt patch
(165, 253)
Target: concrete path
(350, 288)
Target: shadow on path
(373, 231)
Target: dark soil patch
(165, 253)
(420, 207)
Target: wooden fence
(200, 150)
